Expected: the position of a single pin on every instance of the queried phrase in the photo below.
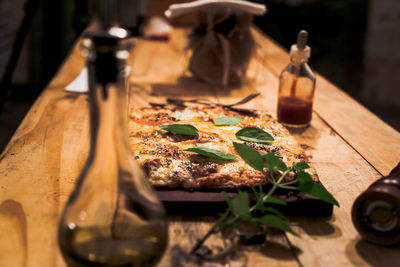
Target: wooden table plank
(38, 169)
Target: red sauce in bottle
(294, 111)
(296, 86)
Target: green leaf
(275, 211)
(274, 200)
(258, 195)
(299, 166)
(274, 163)
(224, 121)
(228, 199)
(276, 222)
(253, 134)
(254, 221)
(307, 185)
(211, 153)
(179, 116)
(250, 156)
(185, 129)
(241, 204)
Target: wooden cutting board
(179, 202)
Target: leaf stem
(275, 185)
(212, 230)
(271, 177)
(291, 182)
(216, 227)
(288, 187)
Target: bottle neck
(298, 60)
(108, 112)
(109, 140)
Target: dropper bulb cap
(302, 39)
(300, 50)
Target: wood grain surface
(350, 148)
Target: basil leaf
(179, 116)
(211, 153)
(253, 134)
(276, 222)
(275, 211)
(274, 200)
(227, 198)
(250, 156)
(274, 163)
(185, 129)
(241, 204)
(224, 121)
(307, 185)
(299, 166)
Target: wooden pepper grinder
(376, 212)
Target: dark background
(339, 31)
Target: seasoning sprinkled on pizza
(192, 147)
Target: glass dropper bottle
(297, 86)
(113, 217)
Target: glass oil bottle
(113, 217)
(297, 86)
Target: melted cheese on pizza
(162, 156)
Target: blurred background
(355, 44)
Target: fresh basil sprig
(184, 129)
(307, 185)
(226, 121)
(211, 153)
(273, 164)
(254, 134)
(261, 213)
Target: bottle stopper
(302, 39)
(300, 49)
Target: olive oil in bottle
(113, 217)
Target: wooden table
(350, 149)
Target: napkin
(80, 83)
(221, 41)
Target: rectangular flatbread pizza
(163, 156)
